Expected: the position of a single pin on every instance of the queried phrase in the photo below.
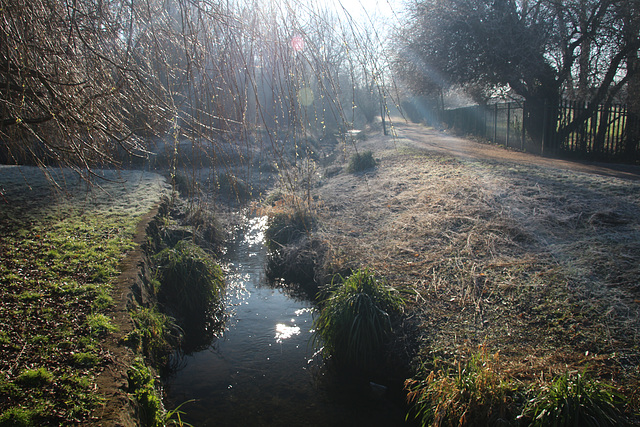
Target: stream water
(262, 369)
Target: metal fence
(607, 133)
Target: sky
(374, 8)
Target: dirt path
(418, 136)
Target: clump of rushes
(471, 394)
(361, 162)
(230, 185)
(285, 228)
(575, 400)
(191, 283)
(354, 321)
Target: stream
(263, 370)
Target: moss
(142, 388)
(84, 359)
(17, 416)
(35, 377)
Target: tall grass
(354, 321)
(190, 281)
(473, 393)
(575, 400)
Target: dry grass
(539, 263)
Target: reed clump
(190, 281)
(355, 319)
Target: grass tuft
(473, 393)
(285, 228)
(191, 283)
(100, 324)
(575, 400)
(354, 321)
(35, 377)
(361, 162)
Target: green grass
(85, 359)
(354, 321)
(154, 335)
(100, 324)
(142, 388)
(17, 416)
(575, 400)
(35, 377)
(56, 274)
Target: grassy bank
(534, 264)
(59, 257)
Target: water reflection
(284, 332)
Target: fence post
(544, 127)
(508, 123)
(524, 112)
(495, 123)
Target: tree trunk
(632, 131)
(540, 121)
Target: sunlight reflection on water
(284, 332)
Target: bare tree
(85, 83)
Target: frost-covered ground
(25, 191)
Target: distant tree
(538, 48)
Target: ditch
(263, 369)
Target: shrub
(361, 162)
(354, 320)
(473, 394)
(575, 401)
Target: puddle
(261, 371)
